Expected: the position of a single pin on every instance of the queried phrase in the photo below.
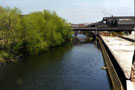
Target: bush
(32, 33)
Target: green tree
(30, 34)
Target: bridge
(102, 29)
(110, 24)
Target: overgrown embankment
(33, 33)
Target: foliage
(31, 34)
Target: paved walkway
(123, 51)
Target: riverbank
(34, 33)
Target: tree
(32, 33)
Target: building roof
(126, 20)
(98, 24)
(78, 25)
(120, 17)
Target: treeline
(30, 34)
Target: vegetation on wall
(30, 34)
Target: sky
(76, 11)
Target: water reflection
(70, 67)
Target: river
(70, 67)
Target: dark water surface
(71, 67)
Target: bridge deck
(123, 51)
(102, 29)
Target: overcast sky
(76, 11)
